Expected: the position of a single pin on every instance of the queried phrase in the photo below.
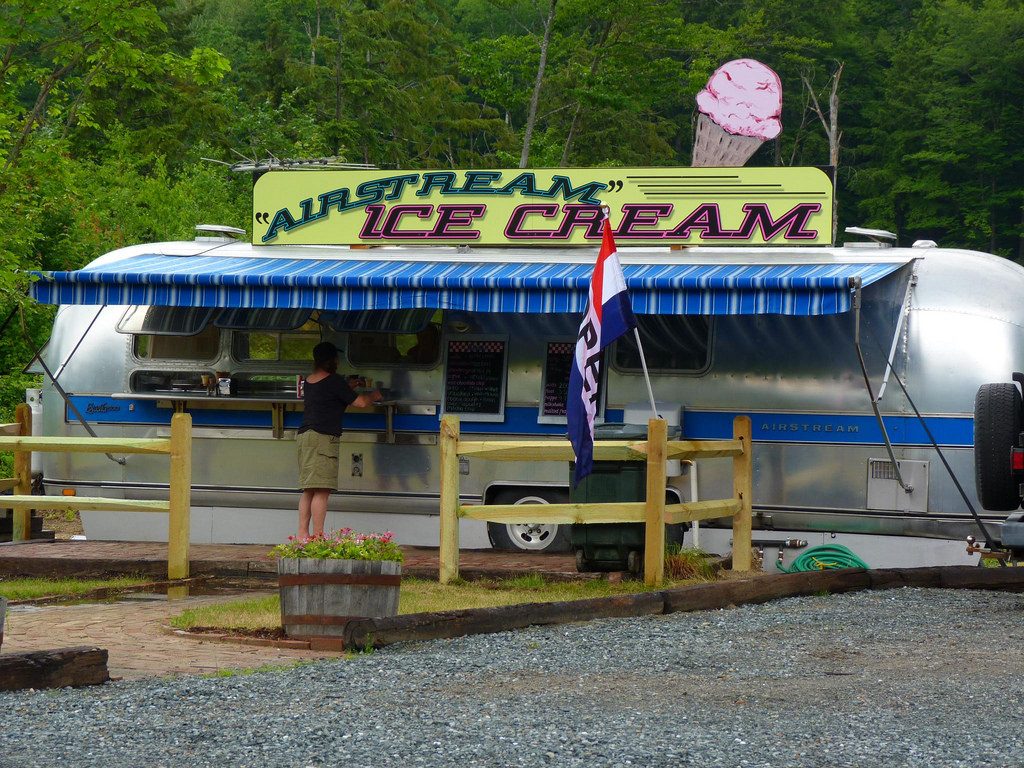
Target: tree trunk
(1020, 238)
(594, 65)
(338, 93)
(531, 117)
(313, 33)
(833, 147)
(37, 111)
(831, 126)
(992, 217)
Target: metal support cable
(855, 283)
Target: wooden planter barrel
(318, 597)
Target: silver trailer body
(944, 323)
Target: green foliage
(342, 545)
(947, 146)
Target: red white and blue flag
(608, 316)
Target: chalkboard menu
(557, 365)
(474, 377)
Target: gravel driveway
(906, 677)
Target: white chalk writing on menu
(475, 376)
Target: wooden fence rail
(177, 507)
(653, 512)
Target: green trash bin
(613, 546)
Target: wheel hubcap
(532, 536)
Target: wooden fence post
(22, 521)
(180, 496)
(448, 556)
(654, 518)
(743, 487)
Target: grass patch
(251, 614)
(417, 596)
(257, 670)
(689, 564)
(32, 589)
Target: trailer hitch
(996, 554)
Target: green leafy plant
(341, 545)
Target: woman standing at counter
(326, 397)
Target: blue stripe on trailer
(852, 429)
(949, 431)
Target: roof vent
(879, 238)
(925, 244)
(205, 232)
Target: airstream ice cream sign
(649, 206)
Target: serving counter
(180, 401)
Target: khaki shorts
(318, 460)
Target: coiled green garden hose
(825, 557)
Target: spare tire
(997, 409)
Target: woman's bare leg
(305, 510)
(319, 509)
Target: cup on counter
(223, 385)
(207, 380)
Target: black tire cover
(997, 410)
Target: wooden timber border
(360, 634)
(178, 506)
(653, 512)
(60, 668)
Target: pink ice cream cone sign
(745, 98)
(739, 111)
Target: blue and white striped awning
(287, 283)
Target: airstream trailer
(815, 343)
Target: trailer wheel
(997, 412)
(530, 537)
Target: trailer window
(165, 321)
(400, 321)
(200, 346)
(263, 319)
(671, 343)
(422, 349)
(278, 346)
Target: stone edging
(365, 633)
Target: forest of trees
(113, 111)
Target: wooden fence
(178, 506)
(653, 512)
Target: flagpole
(607, 211)
(647, 376)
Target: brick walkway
(133, 634)
(133, 631)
